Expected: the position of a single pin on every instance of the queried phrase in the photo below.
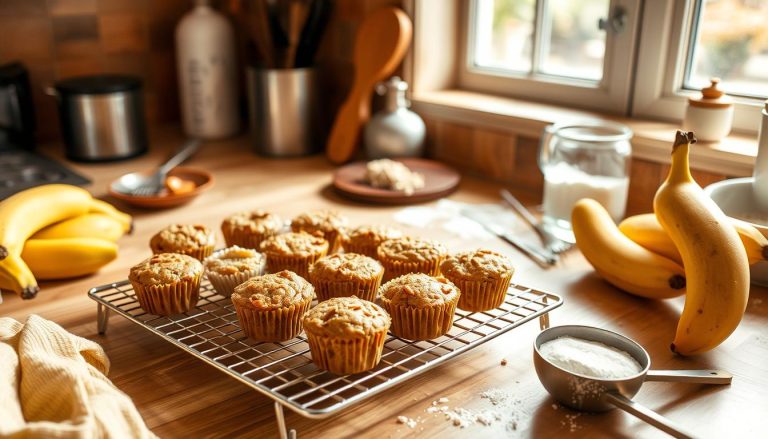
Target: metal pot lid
(98, 84)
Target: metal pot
(102, 117)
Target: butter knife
(540, 256)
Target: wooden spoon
(380, 45)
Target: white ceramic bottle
(205, 45)
(760, 173)
(710, 117)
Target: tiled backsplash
(57, 39)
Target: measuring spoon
(592, 394)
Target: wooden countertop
(182, 397)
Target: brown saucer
(203, 181)
(439, 181)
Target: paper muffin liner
(272, 325)
(225, 284)
(244, 239)
(367, 250)
(365, 290)
(344, 357)
(168, 299)
(393, 269)
(484, 295)
(421, 323)
(297, 264)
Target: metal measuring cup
(599, 394)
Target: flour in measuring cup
(589, 358)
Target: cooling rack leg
(102, 318)
(282, 429)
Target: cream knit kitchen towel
(53, 385)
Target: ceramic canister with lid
(711, 115)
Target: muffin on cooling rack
(293, 251)
(346, 335)
(421, 306)
(483, 276)
(187, 239)
(346, 274)
(167, 283)
(229, 267)
(328, 222)
(249, 229)
(365, 240)
(270, 307)
(410, 255)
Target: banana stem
(680, 171)
(3, 252)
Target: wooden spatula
(380, 45)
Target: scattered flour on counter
(505, 410)
(408, 422)
(570, 422)
(446, 214)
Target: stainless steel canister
(102, 117)
(282, 107)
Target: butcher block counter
(180, 396)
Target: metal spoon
(140, 184)
(600, 394)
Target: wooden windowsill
(652, 140)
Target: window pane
(572, 43)
(504, 34)
(731, 43)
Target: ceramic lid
(712, 97)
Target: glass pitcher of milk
(583, 160)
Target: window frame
(611, 95)
(661, 65)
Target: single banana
(716, 266)
(90, 225)
(67, 257)
(23, 214)
(645, 230)
(99, 206)
(621, 261)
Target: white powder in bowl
(589, 358)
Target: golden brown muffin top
(319, 221)
(254, 221)
(233, 260)
(371, 235)
(273, 291)
(165, 268)
(346, 317)
(346, 267)
(409, 249)
(294, 244)
(418, 290)
(477, 265)
(181, 238)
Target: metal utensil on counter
(139, 184)
(550, 241)
(601, 394)
(540, 256)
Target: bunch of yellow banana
(55, 232)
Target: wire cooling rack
(285, 372)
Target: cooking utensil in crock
(601, 394)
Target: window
(561, 51)
(598, 55)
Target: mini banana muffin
(410, 255)
(249, 229)
(421, 306)
(270, 307)
(293, 251)
(365, 240)
(346, 334)
(328, 222)
(167, 283)
(483, 276)
(229, 267)
(188, 239)
(346, 274)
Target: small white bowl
(736, 198)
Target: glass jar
(583, 160)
